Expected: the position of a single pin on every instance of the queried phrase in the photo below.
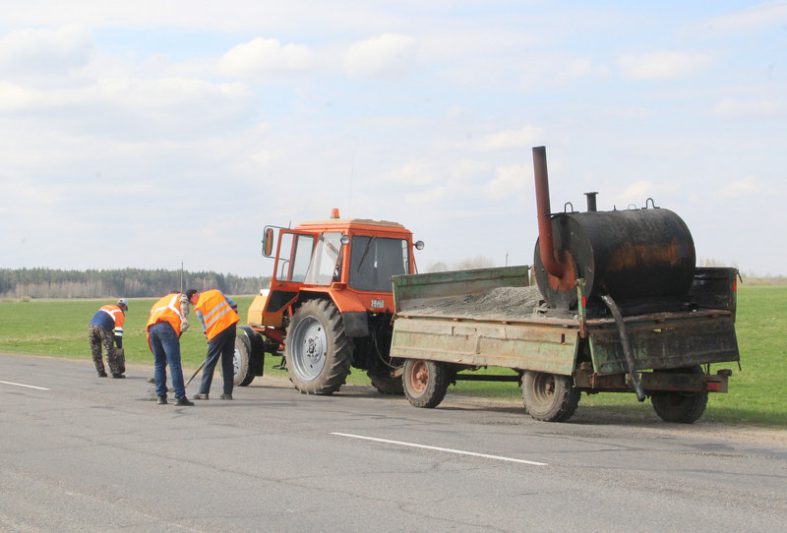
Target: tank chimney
(591, 197)
(546, 245)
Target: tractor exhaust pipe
(546, 244)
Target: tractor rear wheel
(317, 350)
(549, 397)
(425, 382)
(683, 408)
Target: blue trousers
(166, 350)
(222, 345)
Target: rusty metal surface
(638, 253)
(666, 340)
(553, 267)
(533, 346)
(715, 288)
(651, 382)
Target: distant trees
(129, 282)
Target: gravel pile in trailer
(501, 303)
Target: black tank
(631, 254)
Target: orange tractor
(329, 305)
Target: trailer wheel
(385, 384)
(425, 382)
(549, 397)
(242, 359)
(317, 350)
(682, 408)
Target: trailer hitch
(624, 341)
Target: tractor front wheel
(317, 350)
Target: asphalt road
(89, 454)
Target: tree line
(129, 282)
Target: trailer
(449, 324)
(618, 306)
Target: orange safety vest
(117, 315)
(217, 315)
(167, 309)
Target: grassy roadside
(758, 395)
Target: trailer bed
(492, 317)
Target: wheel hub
(309, 349)
(419, 377)
(544, 387)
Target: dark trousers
(101, 337)
(166, 351)
(222, 345)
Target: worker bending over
(219, 316)
(166, 324)
(106, 326)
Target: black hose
(624, 341)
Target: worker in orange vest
(219, 316)
(167, 322)
(106, 326)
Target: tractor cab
(345, 267)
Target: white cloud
(263, 158)
(754, 18)
(742, 187)
(511, 139)
(14, 98)
(429, 196)
(508, 179)
(578, 68)
(44, 51)
(413, 173)
(638, 192)
(262, 56)
(733, 107)
(662, 65)
(130, 107)
(386, 56)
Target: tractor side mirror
(419, 245)
(267, 241)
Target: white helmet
(122, 302)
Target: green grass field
(757, 396)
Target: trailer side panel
(522, 346)
(665, 341)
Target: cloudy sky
(147, 133)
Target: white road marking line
(439, 449)
(23, 385)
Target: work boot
(200, 396)
(226, 396)
(184, 402)
(102, 374)
(162, 400)
(117, 375)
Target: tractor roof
(353, 224)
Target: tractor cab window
(374, 260)
(295, 252)
(325, 265)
